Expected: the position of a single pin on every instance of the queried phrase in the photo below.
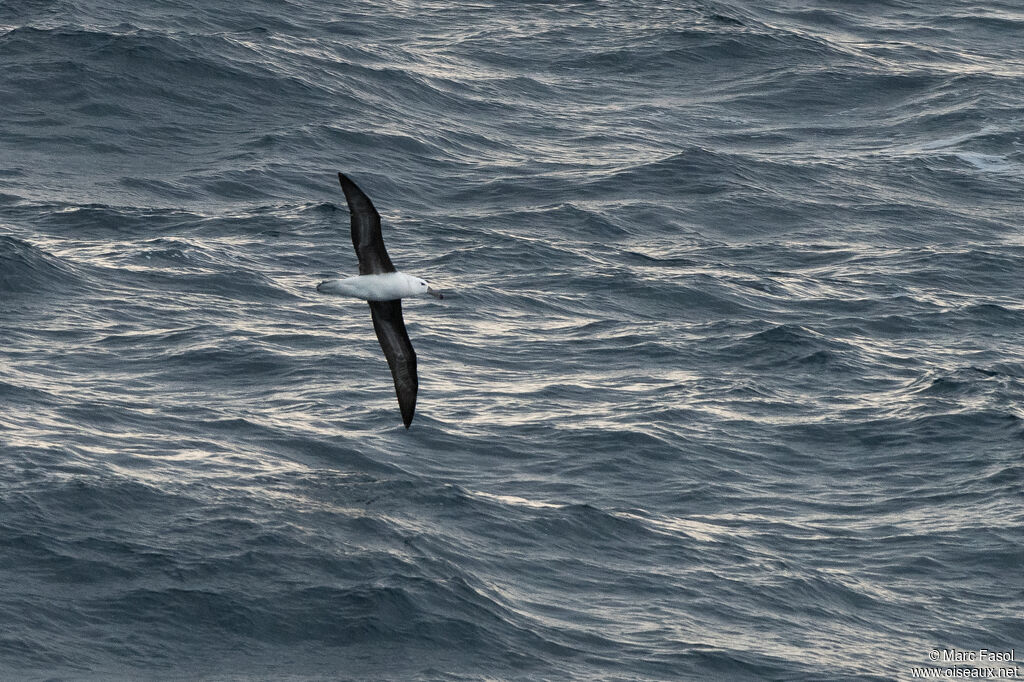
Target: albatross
(383, 287)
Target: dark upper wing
(390, 328)
(373, 257)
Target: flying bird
(383, 287)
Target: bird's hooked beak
(435, 293)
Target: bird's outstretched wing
(366, 237)
(394, 340)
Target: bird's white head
(420, 287)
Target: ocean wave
(28, 269)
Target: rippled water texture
(727, 383)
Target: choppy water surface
(727, 383)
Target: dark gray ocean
(727, 383)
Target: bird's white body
(385, 287)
